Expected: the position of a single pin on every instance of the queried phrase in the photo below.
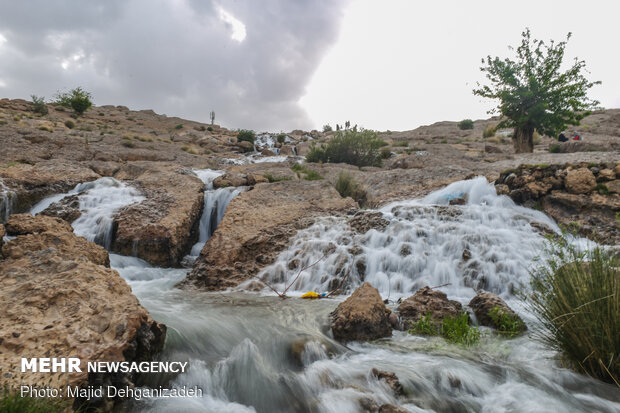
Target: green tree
(77, 99)
(534, 93)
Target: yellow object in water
(311, 295)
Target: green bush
(454, 329)
(245, 135)
(489, 131)
(401, 144)
(466, 124)
(507, 324)
(128, 144)
(272, 178)
(39, 105)
(385, 152)
(281, 137)
(210, 128)
(70, 124)
(306, 173)
(13, 402)
(77, 99)
(576, 297)
(179, 126)
(327, 128)
(347, 186)
(554, 148)
(359, 148)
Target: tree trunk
(523, 140)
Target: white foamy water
(487, 244)
(99, 202)
(7, 201)
(215, 203)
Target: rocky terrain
(62, 297)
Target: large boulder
(580, 181)
(22, 224)
(362, 316)
(490, 309)
(425, 301)
(161, 229)
(250, 237)
(58, 301)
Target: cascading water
(7, 201)
(258, 353)
(215, 203)
(485, 244)
(99, 201)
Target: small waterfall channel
(253, 352)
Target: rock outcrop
(257, 226)
(391, 379)
(490, 309)
(427, 300)
(23, 224)
(59, 301)
(162, 228)
(362, 316)
(585, 197)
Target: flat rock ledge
(59, 299)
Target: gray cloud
(176, 57)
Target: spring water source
(254, 352)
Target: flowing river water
(254, 352)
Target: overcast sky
(286, 64)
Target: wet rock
(2, 234)
(299, 348)
(267, 152)
(364, 221)
(246, 231)
(244, 146)
(287, 150)
(228, 180)
(391, 408)
(427, 300)
(489, 307)
(161, 229)
(502, 189)
(67, 208)
(395, 321)
(362, 316)
(391, 379)
(22, 224)
(466, 255)
(462, 200)
(58, 302)
(580, 181)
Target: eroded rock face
(22, 224)
(257, 226)
(489, 307)
(67, 208)
(58, 301)
(570, 195)
(162, 228)
(391, 379)
(31, 183)
(362, 316)
(427, 300)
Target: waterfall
(7, 202)
(99, 202)
(484, 244)
(215, 203)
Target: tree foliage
(534, 91)
(77, 99)
(352, 146)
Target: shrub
(272, 178)
(281, 137)
(466, 124)
(348, 187)
(39, 105)
(576, 297)
(189, 150)
(306, 173)
(507, 324)
(210, 128)
(327, 128)
(179, 126)
(385, 152)
(46, 128)
(246, 135)
(454, 329)
(128, 144)
(403, 144)
(77, 99)
(489, 131)
(602, 189)
(359, 148)
(13, 402)
(554, 148)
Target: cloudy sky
(286, 64)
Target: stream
(254, 352)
